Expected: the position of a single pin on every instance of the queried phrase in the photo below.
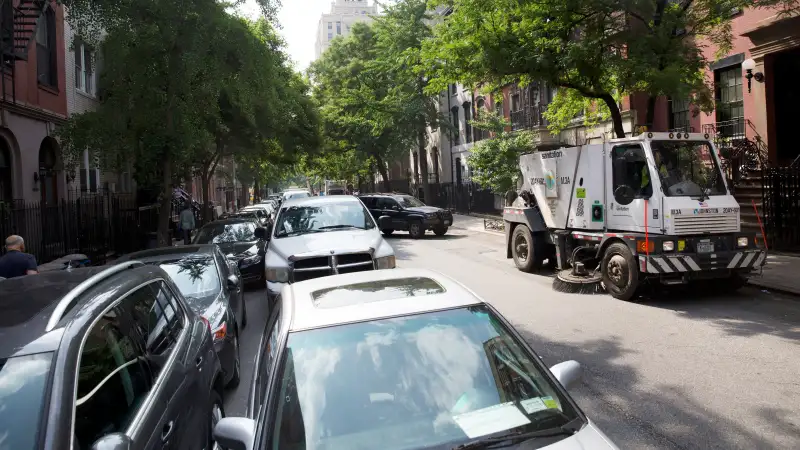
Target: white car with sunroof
(398, 360)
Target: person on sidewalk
(187, 224)
(17, 263)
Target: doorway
(48, 180)
(6, 173)
(786, 71)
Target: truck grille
(706, 223)
(323, 266)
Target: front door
(630, 193)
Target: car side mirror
(116, 441)
(385, 223)
(233, 282)
(568, 373)
(261, 233)
(235, 433)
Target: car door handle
(198, 362)
(166, 432)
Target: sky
(298, 19)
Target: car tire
(526, 249)
(620, 271)
(415, 229)
(237, 365)
(387, 232)
(216, 411)
(440, 230)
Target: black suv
(105, 357)
(408, 214)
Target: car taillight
(221, 332)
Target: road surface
(682, 371)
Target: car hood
(588, 438)
(237, 248)
(425, 209)
(340, 241)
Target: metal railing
(528, 117)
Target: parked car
(408, 214)
(290, 194)
(212, 287)
(320, 236)
(105, 358)
(258, 215)
(265, 211)
(237, 239)
(399, 359)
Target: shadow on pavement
(637, 418)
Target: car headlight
(249, 261)
(430, 215)
(668, 246)
(386, 262)
(742, 242)
(278, 274)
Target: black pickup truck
(408, 214)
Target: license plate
(705, 247)
(447, 222)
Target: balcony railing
(728, 129)
(528, 117)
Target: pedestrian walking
(17, 263)
(187, 224)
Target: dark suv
(408, 214)
(107, 358)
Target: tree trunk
(205, 178)
(244, 195)
(616, 114)
(423, 164)
(165, 207)
(256, 191)
(650, 116)
(387, 186)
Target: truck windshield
(687, 169)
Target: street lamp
(748, 66)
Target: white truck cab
(661, 196)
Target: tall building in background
(344, 13)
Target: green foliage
(495, 161)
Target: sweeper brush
(572, 281)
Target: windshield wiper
(298, 233)
(514, 438)
(340, 227)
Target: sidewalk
(781, 273)
(473, 223)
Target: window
(157, 319)
(435, 157)
(729, 104)
(46, 66)
(453, 89)
(113, 377)
(339, 28)
(267, 359)
(330, 25)
(84, 70)
(24, 385)
(631, 175)
(387, 203)
(90, 172)
(680, 118)
(330, 36)
(458, 171)
(323, 218)
(467, 118)
(454, 113)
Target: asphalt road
(684, 370)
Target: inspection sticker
(580, 192)
(493, 419)
(533, 405)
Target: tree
(599, 49)
(495, 161)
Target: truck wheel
(526, 249)
(416, 230)
(620, 271)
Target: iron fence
(466, 197)
(781, 207)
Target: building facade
(344, 14)
(33, 101)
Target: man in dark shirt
(16, 263)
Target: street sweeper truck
(653, 208)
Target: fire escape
(18, 22)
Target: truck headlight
(668, 246)
(278, 274)
(386, 262)
(742, 242)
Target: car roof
(169, 253)
(385, 194)
(230, 221)
(370, 304)
(318, 201)
(29, 301)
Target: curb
(779, 289)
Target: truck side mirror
(624, 195)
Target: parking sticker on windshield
(533, 405)
(550, 403)
(493, 419)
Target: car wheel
(216, 413)
(440, 230)
(387, 232)
(620, 271)
(415, 229)
(237, 365)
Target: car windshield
(298, 194)
(23, 386)
(407, 201)
(429, 380)
(687, 169)
(296, 220)
(196, 277)
(218, 233)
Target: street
(678, 372)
